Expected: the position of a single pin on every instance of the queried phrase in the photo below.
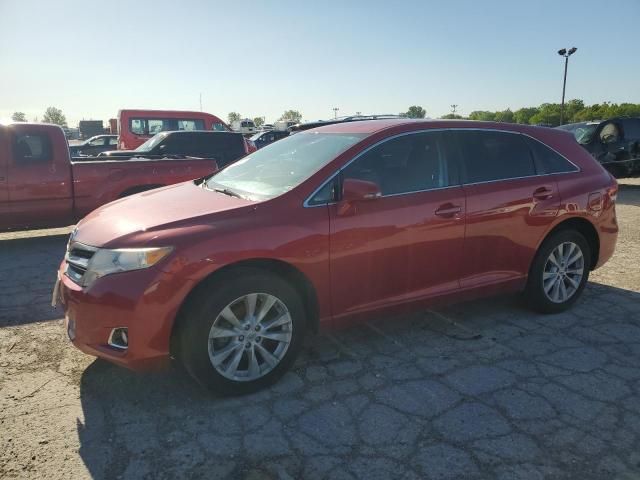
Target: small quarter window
(547, 160)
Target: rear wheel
(559, 272)
(242, 333)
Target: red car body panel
(361, 259)
(58, 192)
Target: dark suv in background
(615, 143)
(224, 147)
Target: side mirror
(357, 190)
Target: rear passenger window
(410, 163)
(547, 160)
(490, 155)
(31, 148)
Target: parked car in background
(90, 128)
(224, 147)
(267, 126)
(137, 126)
(245, 127)
(41, 187)
(615, 143)
(283, 125)
(262, 139)
(327, 227)
(94, 145)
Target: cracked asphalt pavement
(478, 390)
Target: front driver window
(410, 163)
(610, 133)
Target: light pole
(335, 112)
(566, 54)
(453, 108)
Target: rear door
(509, 206)
(40, 190)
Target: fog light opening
(119, 338)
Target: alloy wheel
(563, 272)
(250, 337)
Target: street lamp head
(562, 52)
(572, 51)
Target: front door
(405, 245)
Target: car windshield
(256, 136)
(152, 142)
(281, 166)
(581, 131)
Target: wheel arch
(294, 276)
(586, 229)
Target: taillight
(612, 190)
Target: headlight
(105, 262)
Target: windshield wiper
(227, 191)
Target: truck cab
(36, 185)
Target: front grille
(77, 258)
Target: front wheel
(243, 333)
(559, 272)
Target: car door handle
(448, 210)
(543, 193)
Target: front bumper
(143, 301)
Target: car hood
(178, 205)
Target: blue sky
(261, 58)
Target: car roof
(373, 126)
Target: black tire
(204, 307)
(535, 295)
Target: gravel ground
(480, 390)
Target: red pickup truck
(41, 187)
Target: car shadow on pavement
(485, 388)
(28, 269)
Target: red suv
(228, 273)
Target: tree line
(549, 113)
(293, 115)
(545, 114)
(51, 115)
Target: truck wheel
(242, 332)
(559, 272)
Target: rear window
(547, 160)
(151, 126)
(30, 148)
(490, 155)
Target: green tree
(452, 116)
(259, 121)
(505, 116)
(571, 109)
(292, 115)
(523, 115)
(54, 115)
(416, 111)
(233, 117)
(19, 117)
(482, 115)
(548, 115)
